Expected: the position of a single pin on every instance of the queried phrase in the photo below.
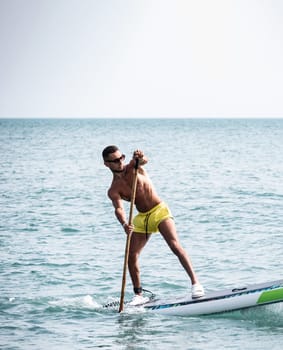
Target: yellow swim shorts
(149, 221)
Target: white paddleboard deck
(220, 301)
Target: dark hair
(108, 150)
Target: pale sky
(141, 58)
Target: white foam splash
(87, 302)
(82, 302)
(134, 309)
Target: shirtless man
(153, 216)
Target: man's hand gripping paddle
(127, 248)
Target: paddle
(127, 248)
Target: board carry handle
(239, 289)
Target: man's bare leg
(138, 241)
(168, 230)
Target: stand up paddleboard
(216, 302)
(222, 301)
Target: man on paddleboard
(153, 216)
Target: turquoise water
(62, 249)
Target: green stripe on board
(270, 295)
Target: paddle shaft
(127, 248)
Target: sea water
(62, 250)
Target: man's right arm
(117, 203)
(119, 211)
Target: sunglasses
(117, 160)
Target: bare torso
(121, 188)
